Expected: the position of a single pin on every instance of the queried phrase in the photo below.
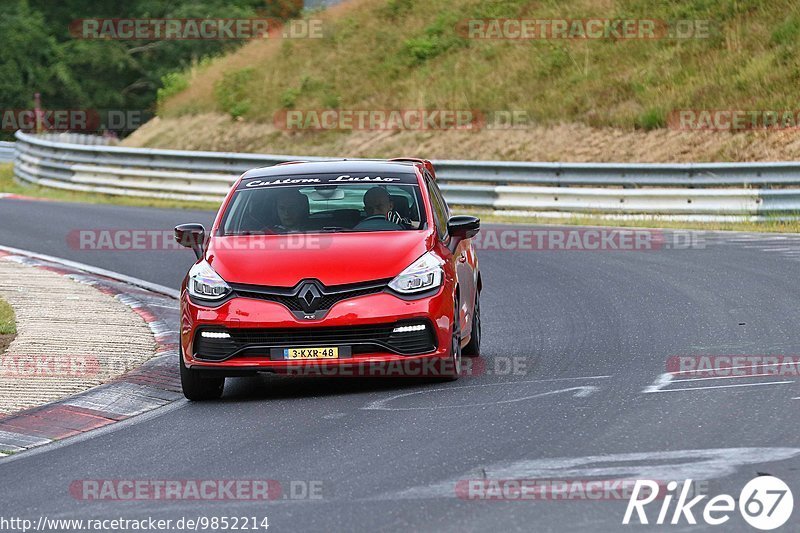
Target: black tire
(452, 367)
(197, 387)
(473, 347)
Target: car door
(461, 257)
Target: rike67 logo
(765, 503)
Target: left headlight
(422, 275)
(205, 284)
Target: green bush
(651, 119)
(171, 84)
(231, 91)
(289, 97)
(438, 38)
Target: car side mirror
(463, 226)
(191, 236)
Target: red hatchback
(330, 268)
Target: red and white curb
(12, 196)
(154, 384)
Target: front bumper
(363, 326)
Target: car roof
(379, 166)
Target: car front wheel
(452, 368)
(197, 387)
(473, 347)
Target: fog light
(407, 329)
(215, 335)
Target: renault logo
(309, 296)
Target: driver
(292, 208)
(380, 212)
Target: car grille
(362, 339)
(322, 300)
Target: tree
(40, 54)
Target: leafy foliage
(40, 54)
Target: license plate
(311, 353)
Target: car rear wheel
(197, 387)
(473, 348)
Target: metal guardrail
(69, 137)
(611, 188)
(6, 151)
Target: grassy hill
(408, 54)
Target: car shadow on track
(276, 387)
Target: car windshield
(328, 208)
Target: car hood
(332, 258)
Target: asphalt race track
(575, 347)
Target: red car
(330, 268)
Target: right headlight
(424, 274)
(205, 284)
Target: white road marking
(661, 381)
(564, 379)
(724, 377)
(580, 392)
(702, 464)
(587, 390)
(724, 386)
